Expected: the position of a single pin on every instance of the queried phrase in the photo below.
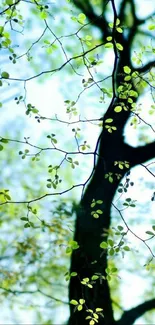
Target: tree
(100, 29)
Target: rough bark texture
(89, 259)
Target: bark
(130, 316)
(90, 259)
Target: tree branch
(130, 316)
(141, 154)
(97, 20)
(146, 67)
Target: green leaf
(150, 233)
(95, 215)
(99, 211)
(4, 140)
(73, 243)
(120, 228)
(81, 18)
(98, 309)
(111, 242)
(1, 30)
(151, 27)
(9, 2)
(49, 185)
(111, 252)
(1, 147)
(92, 322)
(109, 120)
(85, 280)
(119, 30)
(104, 245)
(73, 274)
(118, 109)
(94, 277)
(117, 21)
(47, 42)
(110, 179)
(68, 250)
(133, 93)
(111, 25)
(81, 301)
(119, 46)
(126, 69)
(5, 75)
(108, 277)
(95, 316)
(99, 201)
(109, 38)
(126, 248)
(127, 78)
(7, 197)
(27, 225)
(43, 15)
(88, 37)
(108, 45)
(73, 302)
(135, 74)
(34, 110)
(120, 166)
(89, 286)
(80, 307)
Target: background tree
(102, 55)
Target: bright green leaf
(81, 301)
(119, 30)
(95, 215)
(119, 46)
(81, 18)
(118, 109)
(73, 302)
(108, 45)
(151, 27)
(109, 120)
(99, 211)
(104, 245)
(98, 310)
(43, 15)
(9, 2)
(126, 69)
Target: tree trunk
(90, 259)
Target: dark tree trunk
(90, 259)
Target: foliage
(69, 161)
